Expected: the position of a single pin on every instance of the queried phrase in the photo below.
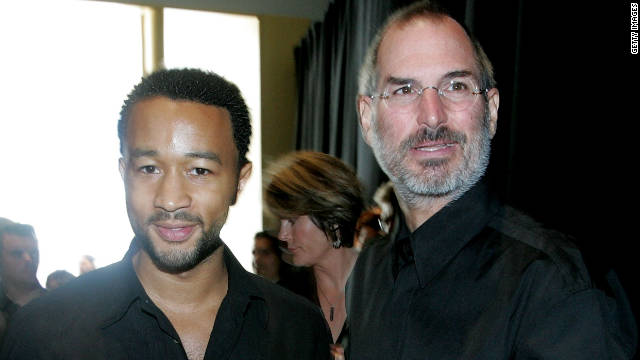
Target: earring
(337, 242)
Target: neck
(204, 283)
(22, 293)
(417, 208)
(417, 213)
(332, 273)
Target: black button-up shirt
(480, 281)
(106, 314)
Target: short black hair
(274, 242)
(61, 276)
(18, 229)
(195, 85)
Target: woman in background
(318, 200)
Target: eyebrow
(457, 74)
(400, 81)
(450, 75)
(138, 153)
(206, 155)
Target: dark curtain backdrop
(568, 103)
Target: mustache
(181, 215)
(441, 133)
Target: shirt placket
(404, 288)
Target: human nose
(172, 193)
(431, 112)
(284, 234)
(26, 256)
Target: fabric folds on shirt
(106, 314)
(480, 280)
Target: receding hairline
(369, 75)
(402, 23)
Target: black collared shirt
(106, 314)
(479, 280)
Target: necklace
(331, 307)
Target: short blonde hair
(319, 186)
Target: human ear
(243, 177)
(493, 101)
(365, 116)
(122, 168)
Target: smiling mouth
(175, 233)
(436, 147)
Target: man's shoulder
(292, 319)
(85, 297)
(543, 246)
(282, 301)
(375, 249)
(76, 310)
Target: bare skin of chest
(194, 329)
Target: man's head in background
(267, 258)
(87, 263)
(19, 256)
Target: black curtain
(568, 107)
(328, 61)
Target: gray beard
(435, 180)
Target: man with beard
(179, 293)
(461, 276)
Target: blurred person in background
(318, 200)
(386, 200)
(272, 263)
(368, 226)
(267, 256)
(58, 278)
(19, 259)
(87, 263)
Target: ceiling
(308, 9)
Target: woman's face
(307, 244)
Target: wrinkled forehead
(425, 49)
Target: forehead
(425, 49)
(262, 242)
(180, 126)
(13, 241)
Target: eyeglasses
(456, 94)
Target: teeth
(434, 148)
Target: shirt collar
(127, 287)
(442, 236)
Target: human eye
(198, 171)
(402, 91)
(149, 169)
(458, 86)
(458, 89)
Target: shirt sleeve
(582, 325)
